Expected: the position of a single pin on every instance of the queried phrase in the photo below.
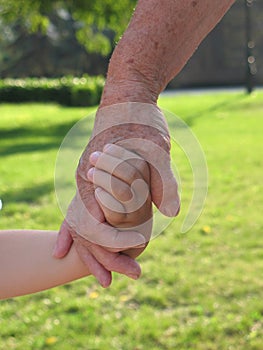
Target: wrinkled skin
(93, 249)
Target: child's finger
(127, 170)
(117, 188)
(113, 210)
(130, 157)
(119, 151)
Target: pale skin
(27, 265)
(161, 37)
(26, 261)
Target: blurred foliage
(94, 18)
(68, 91)
(54, 53)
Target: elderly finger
(86, 225)
(64, 241)
(126, 170)
(102, 275)
(113, 210)
(131, 157)
(117, 262)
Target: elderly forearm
(159, 40)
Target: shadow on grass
(28, 147)
(28, 194)
(59, 129)
(231, 102)
(53, 134)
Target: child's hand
(121, 179)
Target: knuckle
(167, 143)
(134, 174)
(140, 168)
(79, 240)
(145, 169)
(116, 218)
(123, 192)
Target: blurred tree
(55, 38)
(94, 19)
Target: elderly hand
(122, 181)
(138, 127)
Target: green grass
(201, 290)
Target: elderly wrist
(130, 78)
(145, 118)
(127, 90)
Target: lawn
(200, 290)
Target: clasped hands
(124, 168)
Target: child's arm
(26, 262)
(27, 265)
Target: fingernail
(141, 246)
(141, 241)
(104, 284)
(90, 174)
(107, 146)
(133, 276)
(94, 157)
(172, 209)
(98, 190)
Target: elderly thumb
(164, 190)
(63, 242)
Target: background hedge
(69, 91)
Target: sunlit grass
(201, 290)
